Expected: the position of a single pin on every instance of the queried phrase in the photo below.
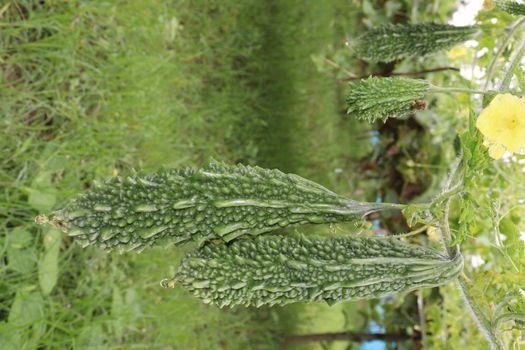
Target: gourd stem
(483, 323)
(449, 193)
(445, 198)
(479, 317)
(513, 65)
(439, 89)
(445, 231)
(385, 206)
(504, 44)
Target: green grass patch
(89, 90)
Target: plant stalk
(439, 89)
(479, 317)
(504, 44)
(482, 322)
(513, 65)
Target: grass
(90, 90)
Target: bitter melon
(510, 6)
(382, 98)
(280, 270)
(218, 201)
(391, 42)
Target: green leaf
(514, 245)
(43, 201)
(19, 238)
(11, 338)
(416, 213)
(52, 238)
(475, 162)
(48, 270)
(55, 163)
(21, 260)
(392, 7)
(91, 337)
(41, 193)
(368, 8)
(21, 257)
(27, 317)
(48, 264)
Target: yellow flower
(433, 234)
(502, 123)
(457, 51)
(488, 4)
(496, 151)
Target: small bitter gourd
(510, 6)
(279, 270)
(218, 201)
(382, 98)
(391, 42)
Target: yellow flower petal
(433, 233)
(457, 51)
(503, 122)
(488, 4)
(496, 151)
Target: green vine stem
(510, 70)
(504, 44)
(444, 199)
(439, 89)
(443, 196)
(483, 323)
(513, 65)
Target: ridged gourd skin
(512, 7)
(392, 42)
(382, 98)
(281, 270)
(218, 201)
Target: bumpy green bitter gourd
(391, 42)
(218, 201)
(510, 6)
(280, 270)
(382, 98)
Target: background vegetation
(92, 89)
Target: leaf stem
(513, 65)
(483, 323)
(404, 74)
(449, 193)
(439, 89)
(504, 44)
(479, 317)
(383, 206)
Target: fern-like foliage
(391, 42)
(382, 98)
